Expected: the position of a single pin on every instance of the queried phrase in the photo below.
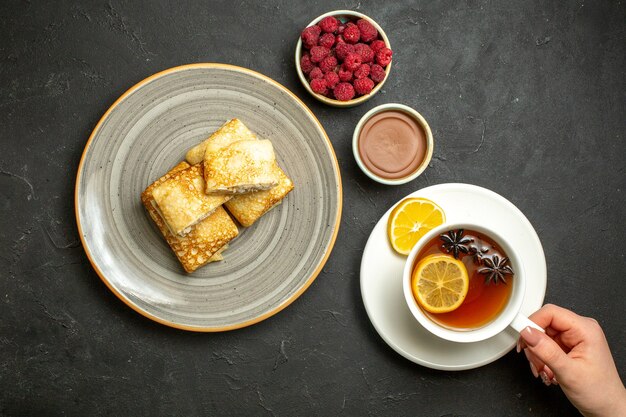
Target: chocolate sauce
(392, 144)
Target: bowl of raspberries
(343, 58)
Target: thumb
(546, 349)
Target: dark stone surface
(524, 98)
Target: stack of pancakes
(232, 169)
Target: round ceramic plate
(381, 279)
(143, 135)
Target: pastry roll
(248, 208)
(232, 131)
(205, 242)
(241, 167)
(181, 200)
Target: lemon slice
(440, 283)
(411, 219)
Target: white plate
(381, 279)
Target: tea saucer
(381, 279)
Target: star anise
(454, 242)
(495, 269)
(478, 254)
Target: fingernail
(545, 379)
(531, 336)
(554, 381)
(534, 370)
(518, 347)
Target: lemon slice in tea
(440, 283)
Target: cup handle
(520, 322)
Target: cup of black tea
(465, 283)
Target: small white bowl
(415, 116)
(346, 14)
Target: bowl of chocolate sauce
(392, 144)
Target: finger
(556, 336)
(550, 374)
(537, 365)
(584, 330)
(563, 321)
(545, 349)
(521, 344)
(558, 318)
(545, 379)
(554, 381)
(551, 332)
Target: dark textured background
(524, 98)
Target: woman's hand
(574, 354)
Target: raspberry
(339, 39)
(341, 28)
(363, 86)
(377, 44)
(352, 62)
(327, 40)
(310, 36)
(344, 91)
(319, 86)
(368, 31)
(365, 51)
(318, 53)
(362, 72)
(383, 56)
(344, 75)
(328, 64)
(351, 34)
(305, 64)
(329, 24)
(342, 50)
(377, 73)
(332, 79)
(316, 73)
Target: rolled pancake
(248, 208)
(205, 242)
(182, 202)
(232, 131)
(241, 167)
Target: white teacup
(510, 314)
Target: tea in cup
(465, 283)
